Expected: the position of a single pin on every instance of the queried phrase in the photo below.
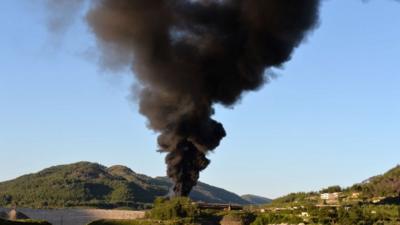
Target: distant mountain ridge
(92, 184)
(256, 200)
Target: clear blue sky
(331, 117)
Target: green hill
(256, 200)
(94, 185)
(385, 185)
(206, 193)
(384, 189)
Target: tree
(331, 189)
(175, 208)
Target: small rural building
(331, 198)
(355, 195)
(305, 214)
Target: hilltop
(94, 185)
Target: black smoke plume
(191, 54)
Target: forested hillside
(94, 185)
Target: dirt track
(78, 216)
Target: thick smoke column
(191, 54)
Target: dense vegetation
(375, 201)
(94, 185)
(81, 184)
(300, 199)
(277, 218)
(238, 217)
(372, 202)
(176, 211)
(364, 214)
(385, 188)
(387, 184)
(355, 215)
(176, 208)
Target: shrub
(266, 219)
(239, 217)
(175, 208)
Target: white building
(330, 196)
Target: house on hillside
(376, 200)
(304, 215)
(330, 198)
(355, 195)
(352, 197)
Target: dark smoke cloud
(191, 54)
